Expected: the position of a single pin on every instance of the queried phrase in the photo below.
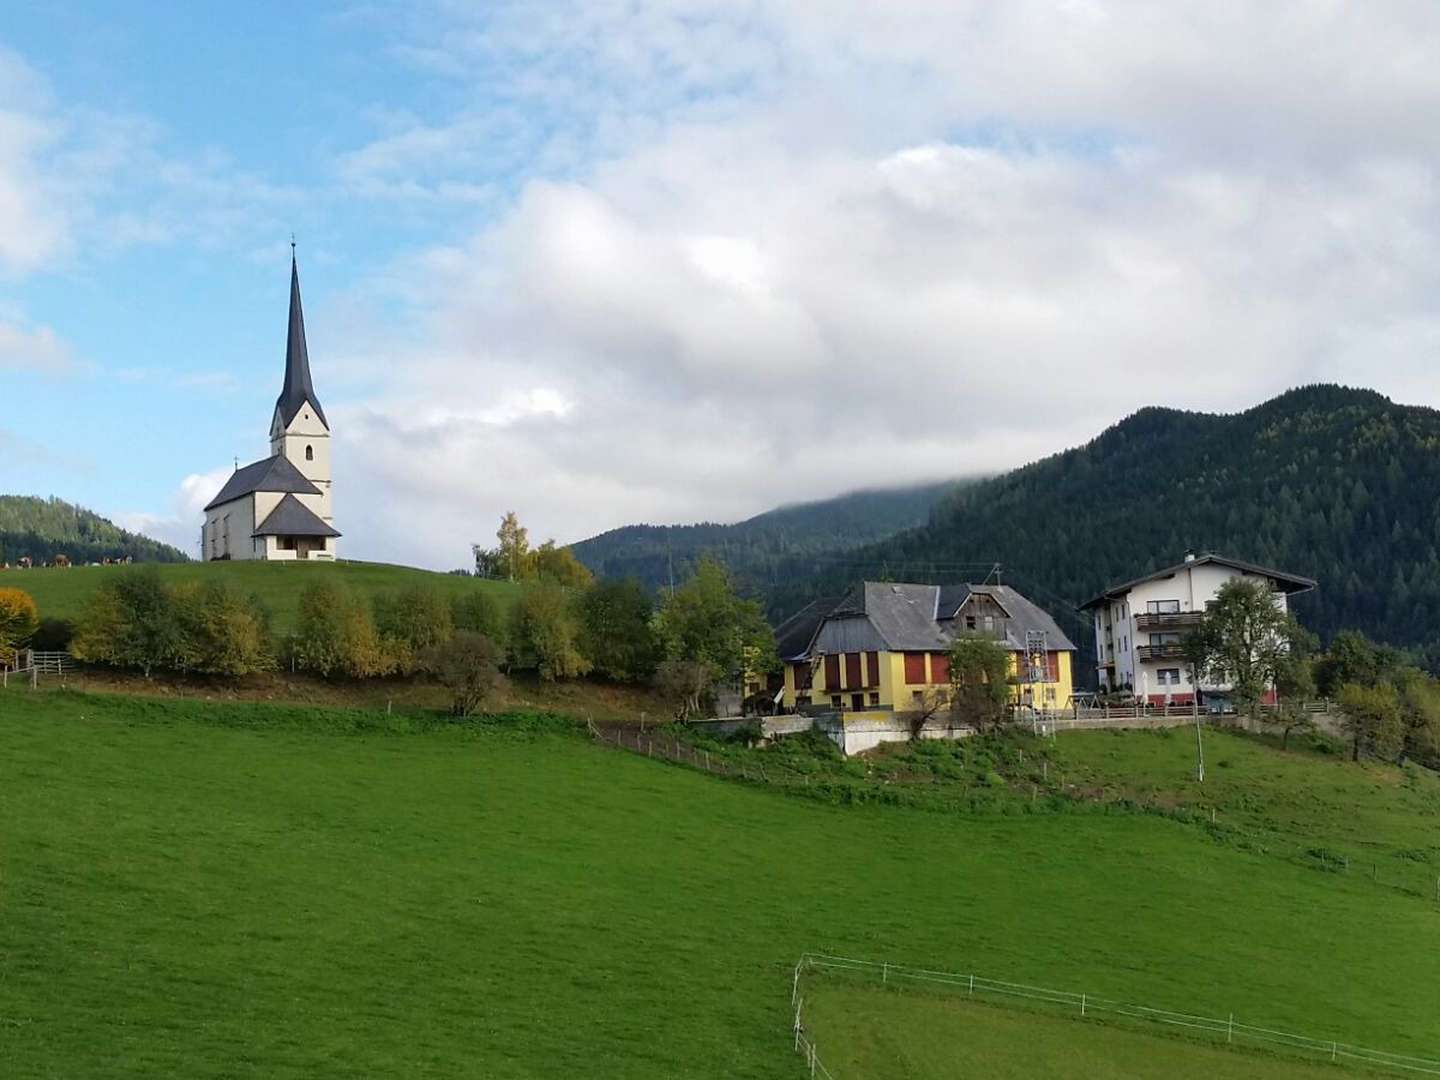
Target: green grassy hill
(898, 1036)
(61, 594)
(213, 890)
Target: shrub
(19, 619)
(133, 621)
(415, 616)
(226, 632)
(466, 666)
(477, 612)
(545, 634)
(336, 634)
(616, 632)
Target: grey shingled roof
(291, 517)
(270, 474)
(899, 617)
(298, 388)
(1289, 583)
(793, 636)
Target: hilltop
(1338, 484)
(62, 593)
(43, 528)
(755, 549)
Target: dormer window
(309, 453)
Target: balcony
(1172, 651)
(1168, 620)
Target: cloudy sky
(604, 262)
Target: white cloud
(180, 526)
(33, 350)
(749, 253)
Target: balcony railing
(1170, 651)
(1167, 620)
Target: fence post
(1082, 1004)
(972, 985)
(1334, 1051)
(885, 973)
(1230, 1030)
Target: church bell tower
(299, 430)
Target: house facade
(886, 646)
(279, 507)
(1140, 625)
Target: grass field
(61, 594)
(208, 890)
(897, 1035)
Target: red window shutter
(939, 668)
(832, 672)
(873, 660)
(915, 668)
(804, 676)
(852, 671)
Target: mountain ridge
(42, 528)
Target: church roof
(293, 518)
(298, 388)
(272, 474)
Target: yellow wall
(896, 693)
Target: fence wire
(1233, 1031)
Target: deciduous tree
(545, 634)
(1244, 640)
(19, 620)
(616, 631)
(466, 666)
(979, 682)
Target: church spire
(298, 388)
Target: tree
(335, 634)
(559, 566)
(464, 665)
(414, 616)
(488, 562)
(616, 632)
(476, 610)
(224, 631)
(1372, 719)
(705, 621)
(514, 550)
(132, 620)
(1294, 685)
(1244, 640)
(1420, 714)
(687, 683)
(1353, 658)
(545, 633)
(979, 682)
(19, 620)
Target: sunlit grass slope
(206, 890)
(62, 593)
(884, 1035)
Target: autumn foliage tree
(19, 619)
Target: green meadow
(247, 890)
(890, 1035)
(62, 593)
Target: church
(279, 507)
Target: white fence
(30, 665)
(1231, 1030)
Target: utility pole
(1199, 751)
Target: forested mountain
(44, 528)
(1336, 484)
(754, 549)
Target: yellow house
(886, 646)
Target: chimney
(1190, 555)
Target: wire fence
(1232, 1031)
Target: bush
(19, 619)
(223, 631)
(415, 617)
(132, 621)
(616, 632)
(545, 634)
(466, 666)
(477, 612)
(336, 635)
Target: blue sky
(670, 260)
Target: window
(309, 453)
(804, 675)
(915, 668)
(969, 622)
(832, 671)
(1164, 639)
(1049, 693)
(872, 664)
(874, 699)
(852, 671)
(834, 701)
(940, 667)
(1168, 676)
(917, 696)
(1162, 607)
(857, 702)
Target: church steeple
(298, 389)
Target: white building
(280, 507)
(1140, 626)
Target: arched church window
(309, 453)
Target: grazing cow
(24, 562)
(62, 562)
